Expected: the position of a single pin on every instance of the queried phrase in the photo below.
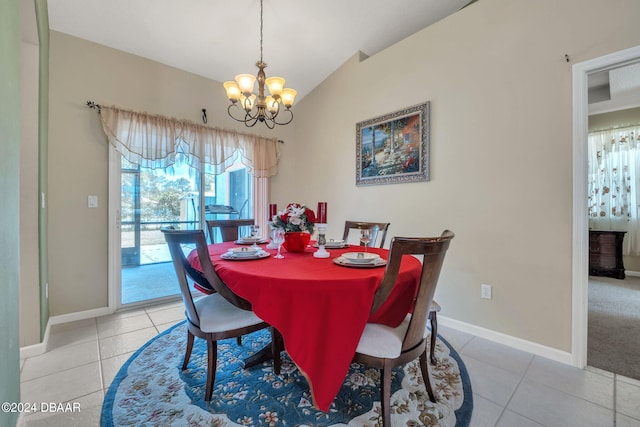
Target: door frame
(580, 258)
(115, 260)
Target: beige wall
(29, 269)
(78, 153)
(501, 151)
(501, 178)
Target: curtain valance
(154, 141)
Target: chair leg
(425, 376)
(239, 340)
(434, 334)
(276, 348)
(385, 394)
(212, 356)
(187, 354)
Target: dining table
(319, 306)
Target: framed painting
(393, 148)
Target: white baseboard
(80, 315)
(41, 348)
(36, 349)
(508, 340)
(632, 273)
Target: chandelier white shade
(250, 108)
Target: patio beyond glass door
(150, 200)
(178, 196)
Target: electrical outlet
(485, 291)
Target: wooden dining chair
(384, 347)
(217, 316)
(382, 227)
(375, 227)
(229, 228)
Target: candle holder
(321, 252)
(272, 229)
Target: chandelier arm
(247, 117)
(269, 123)
(288, 121)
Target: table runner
(319, 308)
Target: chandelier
(254, 108)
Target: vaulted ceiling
(304, 40)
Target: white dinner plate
(379, 262)
(233, 257)
(334, 245)
(245, 251)
(250, 241)
(361, 257)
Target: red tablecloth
(320, 308)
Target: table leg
(268, 352)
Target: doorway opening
(580, 262)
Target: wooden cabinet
(605, 253)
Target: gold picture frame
(394, 148)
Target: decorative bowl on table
(296, 241)
(360, 257)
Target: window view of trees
(163, 196)
(156, 198)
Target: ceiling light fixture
(259, 108)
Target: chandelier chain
(261, 26)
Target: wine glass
(365, 237)
(278, 239)
(255, 232)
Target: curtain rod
(98, 108)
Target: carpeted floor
(614, 325)
(150, 389)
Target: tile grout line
(615, 403)
(100, 357)
(504, 408)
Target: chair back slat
(228, 228)
(375, 227)
(433, 250)
(177, 240)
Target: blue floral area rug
(152, 390)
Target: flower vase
(296, 241)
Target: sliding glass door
(148, 200)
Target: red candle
(273, 210)
(322, 212)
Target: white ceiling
(304, 40)
(614, 89)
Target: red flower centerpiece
(297, 221)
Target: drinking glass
(255, 232)
(278, 239)
(365, 237)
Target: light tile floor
(510, 387)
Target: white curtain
(614, 171)
(153, 141)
